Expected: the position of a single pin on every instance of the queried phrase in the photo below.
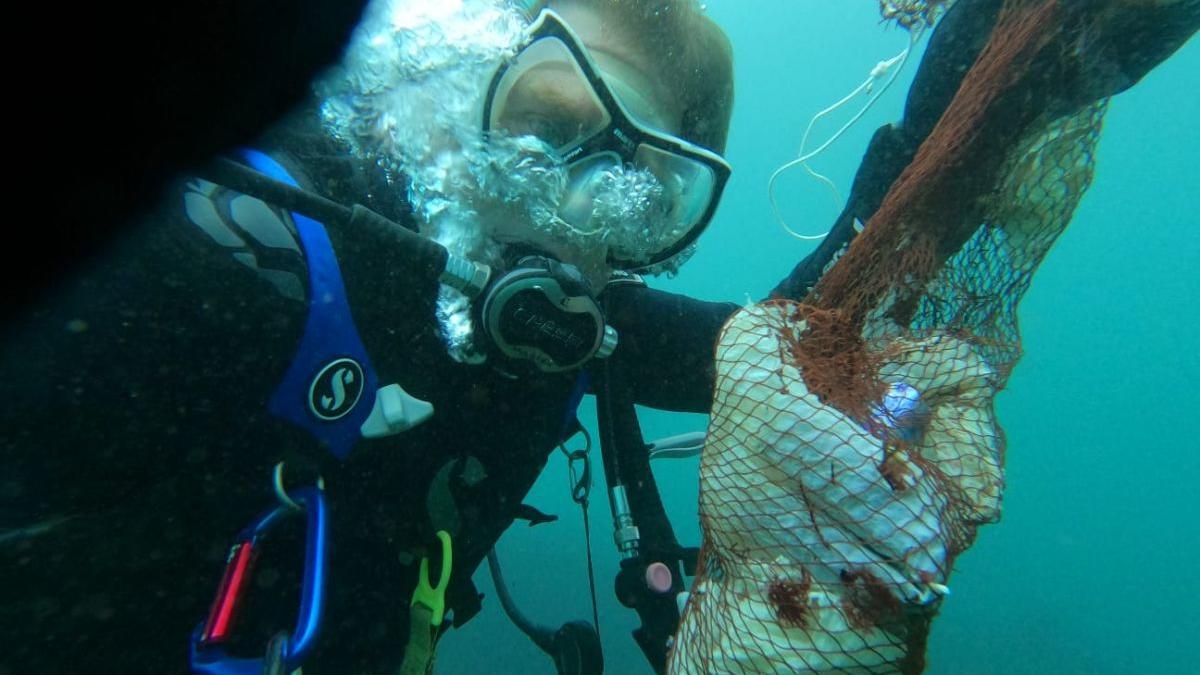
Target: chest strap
(331, 389)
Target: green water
(1092, 568)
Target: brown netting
(853, 450)
(929, 211)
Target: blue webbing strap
(329, 335)
(571, 411)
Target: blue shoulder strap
(571, 411)
(330, 387)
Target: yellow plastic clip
(434, 597)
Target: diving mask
(553, 89)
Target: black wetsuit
(137, 440)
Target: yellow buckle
(434, 597)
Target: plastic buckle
(207, 655)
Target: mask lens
(586, 179)
(544, 93)
(688, 184)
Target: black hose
(425, 255)
(542, 636)
(574, 646)
(606, 412)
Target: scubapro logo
(336, 389)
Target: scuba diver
(279, 335)
(376, 324)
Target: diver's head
(669, 50)
(410, 95)
(630, 101)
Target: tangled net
(853, 449)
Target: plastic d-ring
(434, 597)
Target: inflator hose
(425, 256)
(542, 636)
(575, 646)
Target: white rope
(892, 66)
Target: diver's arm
(138, 439)
(956, 42)
(1145, 35)
(178, 324)
(666, 345)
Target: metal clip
(626, 534)
(207, 654)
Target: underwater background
(1092, 568)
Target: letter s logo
(336, 389)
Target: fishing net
(853, 449)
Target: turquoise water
(1092, 568)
